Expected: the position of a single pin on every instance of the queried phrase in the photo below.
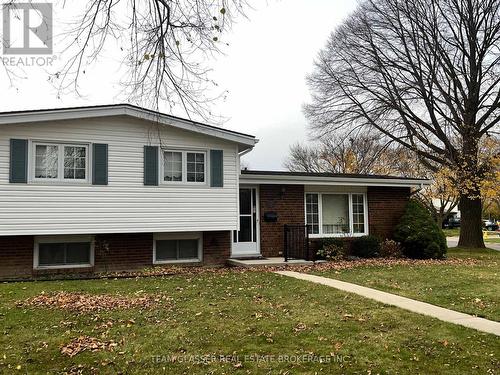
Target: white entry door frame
(246, 241)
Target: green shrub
(330, 249)
(391, 249)
(419, 234)
(325, 242)
(366, 247)
(331, 252)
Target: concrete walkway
(441, 313)
(266, 262)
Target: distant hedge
(419, 234)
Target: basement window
(183, 248)
(63, 252)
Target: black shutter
(18, 161)
(151, 165)
(99, 164)
(216, 168)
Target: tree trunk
(471, 234)
(439, 220)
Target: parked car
(490, 225)
(451, 222)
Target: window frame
(162, 168)
(179, 236)
(60, 162)
(351, 224)
(184, 153)
(62, 239)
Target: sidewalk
(418, 307)
(453, 242)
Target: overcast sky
(264, 70)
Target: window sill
(60, 182)
(63, 267)
(338, 235)
(168, 183)
(178, 261)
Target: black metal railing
(296, 242)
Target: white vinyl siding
(124, 205)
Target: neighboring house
(119, 187)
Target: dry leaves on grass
(83, 302)
(83, 343)
(320, 266)
(385, 262)
(159, 271)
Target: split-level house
(119, 187)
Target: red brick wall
(113, 252)
(386, 205)
(216, 247)
(288, 202)
(16, 256)
(126, 251)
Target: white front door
(246, 240)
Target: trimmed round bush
(366, 247)
(419, 234)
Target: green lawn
(492, 240)
(289, 323)
(473, 289)
(455, 232)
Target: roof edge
(296, 178)
(56, 114)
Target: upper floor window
(172, 166)
(331, 215)
(60, 162)
(184, 166)
(195, 167)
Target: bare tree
(424, 74)
(167, 44)
(360, 153)
(304, 158)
